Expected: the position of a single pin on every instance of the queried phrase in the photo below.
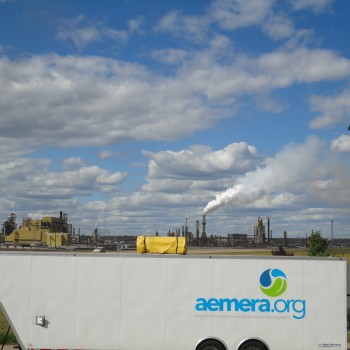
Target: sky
(133, 116)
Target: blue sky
(155, 111)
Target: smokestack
(268, 229)
(204, 235)
(61, 214)
(197, 229)
(285, 238)
(204, 222)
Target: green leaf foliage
(318, 245)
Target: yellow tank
(161, 245)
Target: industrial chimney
(204, 235)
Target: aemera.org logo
(273, 283)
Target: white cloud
(341, 144)
(315, 5)
(278, 26)
(82, 33)
(105, 154)
(233, 14)
(334, 110)
(201, 162)
(135, 24)
(193, 28)
(79, 99)
(230, 15)
(301, 38)
(303, 65)
(11, 149)
(226, 14)
(72, 163)
(25, 179)
(197, 171)
(275, 70)
(170, 56)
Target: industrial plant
(261, 236)
(56, 232)
(50, 231)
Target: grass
(343, 253)
(340, 253)
(11, 339)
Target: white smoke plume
(288, 172)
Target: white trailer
(149, 302)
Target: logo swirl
(273, 282)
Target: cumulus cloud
(278, 26)
(239, 13)
(79, 99)
(27, 179)
(83, 33)
(77, 182)
(227, 15)
(105, 154)
(334, 110)
(303, 65)
(230, 15)
(202, 162)
(274, 70)
(314, 5)
(13, 148)
(72, 163)
(170, 56)
(193, 28)
(195, 171)
(341, 144)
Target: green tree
(317, 244)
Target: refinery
(56, 232)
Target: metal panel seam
(29, 299)
(303, 297)
(211, 293)
(345, 300)
(166, 304)
(75, 298)
(257, 294)
(120, 301)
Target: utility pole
(332, 230)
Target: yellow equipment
(49, 230)
(161, 245)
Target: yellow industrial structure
(48, 230)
